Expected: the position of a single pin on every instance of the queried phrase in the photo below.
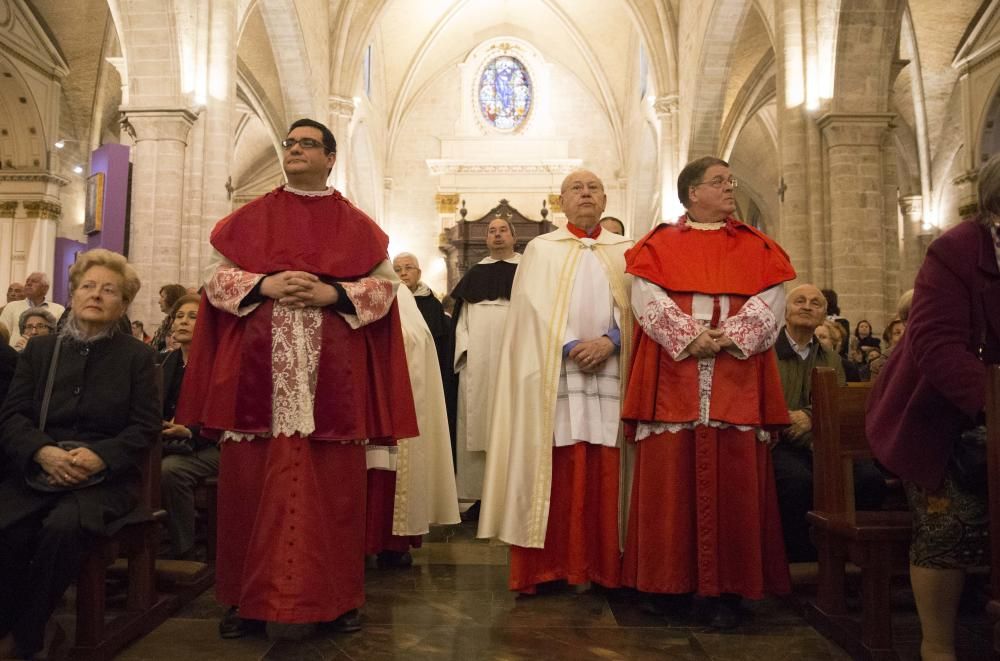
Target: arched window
(505, 93)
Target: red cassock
(703, 515)
(291, 508)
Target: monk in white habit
(552, 471)
(482, 298)
(412, 486)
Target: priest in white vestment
(482, 298)
(420, 467)
(552, 485)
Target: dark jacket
(173, 377)
(8, 361)
(796, 376)
(104, 395)
(933, 385)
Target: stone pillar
(860, 226)
(9, 253)
(911, 229)
(160, 136)
(665, 108)
(341, 112)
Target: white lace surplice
(296, 336)
(753, 330)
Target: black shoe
(726, 613)
(233, 626)
(349, 622)
(394, 560)
(471, 514)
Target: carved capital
(912, 206)
(665, 106)
(8, 208)
(158, 123)
(863, 129)
(341, 106)
(555, 204)
(43, 210)
(446, 202)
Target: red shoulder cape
(739, 260)
(363, 387)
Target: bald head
(15, 292)
(583, 198)
(805, 308)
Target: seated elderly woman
(81, 411)
(926, 411)
(34, 322)
(189, 457)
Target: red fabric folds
(744, 392)
(381, 504)
(739, 261)
(299, 556)
(704, 517)
(363, 387)
(581, 539)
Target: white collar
(310, 193)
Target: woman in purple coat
(929, 393)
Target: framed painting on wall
(93, 218)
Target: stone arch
(867, 41)
(27, 135)
(151, 49)
(727, 19)
(290, 56)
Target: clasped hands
(591, 354)
(67, 468)
(298, 289)
(710, 342)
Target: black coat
(8, 361)
(105, 395)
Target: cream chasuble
(518, 483)
(477, 355)
(425, 480)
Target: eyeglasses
(36, 328)
(305, 143)
(718, 182)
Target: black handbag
(37, 479)
(968, 461)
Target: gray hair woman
(32, 323)
(72, 479)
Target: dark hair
(832, 306)
(887, 333)
(871, 331)
(182, 301)
(329, 142)
(692, 174)
(172, 292)
(510, 225)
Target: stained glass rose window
(505, 93)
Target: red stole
(739, 262)
(581, 233)
(363, 386)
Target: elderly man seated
(798, 353)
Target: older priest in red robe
(298, 360)
(703, 395)
(552, 485)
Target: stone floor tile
(560, 609)
(793, 644)
(193, 640)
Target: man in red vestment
(297, 361)
(702, 397)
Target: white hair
(407, 254)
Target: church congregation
(276, 377)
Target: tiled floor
(454, 604)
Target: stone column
(9, 254)
(160, 136)
(341, 112)
(665, 108)
(860, 225)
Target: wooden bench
(877, 542)
(145, 608)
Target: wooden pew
(877, 542)
(993, 467)
(138, 543)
